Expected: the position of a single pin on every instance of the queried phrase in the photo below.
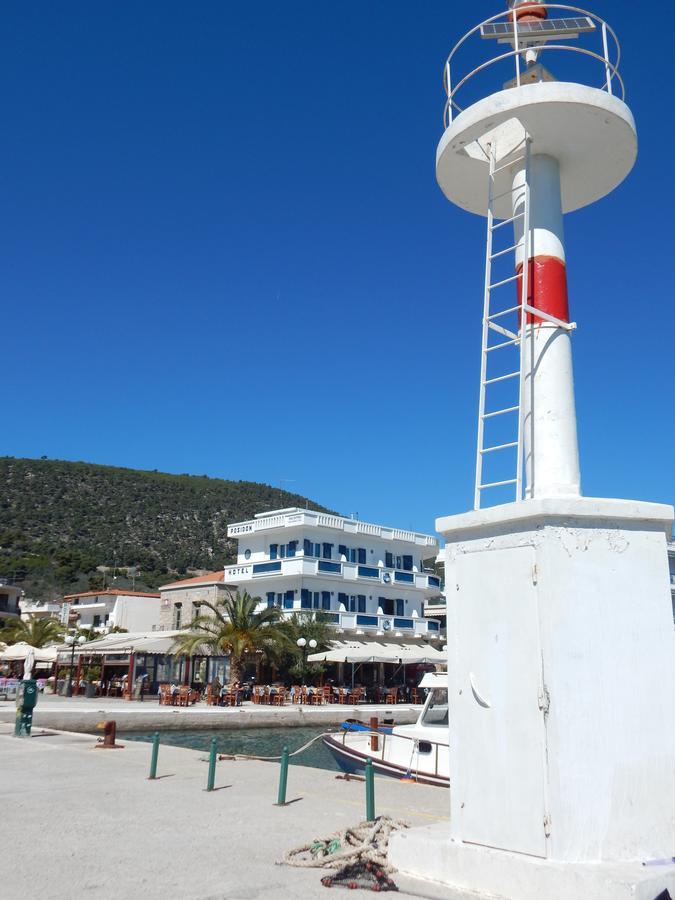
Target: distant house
(180, 600)
(9, 604)
(102, 610)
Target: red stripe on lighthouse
(546, 288)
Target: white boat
(416, 752)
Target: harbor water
(249, 741)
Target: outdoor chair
(414, 696)
(358, 695)
(184, 695)
(278, 698)
(392, 696)
(296, 693)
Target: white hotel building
(367, 579)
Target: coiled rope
(356, 853)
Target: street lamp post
(73, 642)
(303, 644)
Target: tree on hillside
(36, 632)
(234, 627)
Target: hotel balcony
(386, 627)
(304, 566)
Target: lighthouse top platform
(591, 133)
(588, 129)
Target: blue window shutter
(280, 597)
(407, 563)
(398, 562)
(399, 607)
(282, 551)
(352, 555)
(327, 551)
(317, 550)
(362, 603)
(342, 551)
(308, 547)
(342, 598)
(325, 599)
(305, 599)
(270, 598)
(362, 556)
(288, 600)
(273, 551)
(292, 545)
(389, 560)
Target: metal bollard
(283, 778)
(212, 766)
(370, 792)
(153, 758)
(374, 739)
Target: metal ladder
(508, 342)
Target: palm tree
(311, 625)
(36, 632)
(234, 627)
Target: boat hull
(353, 761)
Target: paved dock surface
(81, 714)
(80, 821)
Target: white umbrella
(22, 650)
(28, 663)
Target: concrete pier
(82, 821)
(80, 714)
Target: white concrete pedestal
(562, 704)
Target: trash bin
(89, 689)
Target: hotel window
(352, 603)
(97, 621)
(282, 551)
(344, 599)
(327, 551)
(361, 603)
(288, 600)
(389, 560)
(399, 606)
(292, 546)
(387, 605)
(177, 613)
(352, 555)
(270, 599)
(407, 563)
(343, 551)
(317, 550)
(325, 599)
(274, 548)
(280, 598)
(317, 600)
(362, 556)
(399, 562)
(305, 599)
(308, 547)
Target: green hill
(60, 521)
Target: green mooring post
(212, 766)
(153, 758)
(283, 778)
(370, 791)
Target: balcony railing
(301, 565)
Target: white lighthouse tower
(561, 668)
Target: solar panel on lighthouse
(543, 28)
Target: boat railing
(383, 735)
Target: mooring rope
(367, 842)
(273, 758)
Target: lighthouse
(561, 647)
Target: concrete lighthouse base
(561, 685)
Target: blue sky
(224, 252)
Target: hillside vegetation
(61, 521)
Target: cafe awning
(159, 642)
(379, 652)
